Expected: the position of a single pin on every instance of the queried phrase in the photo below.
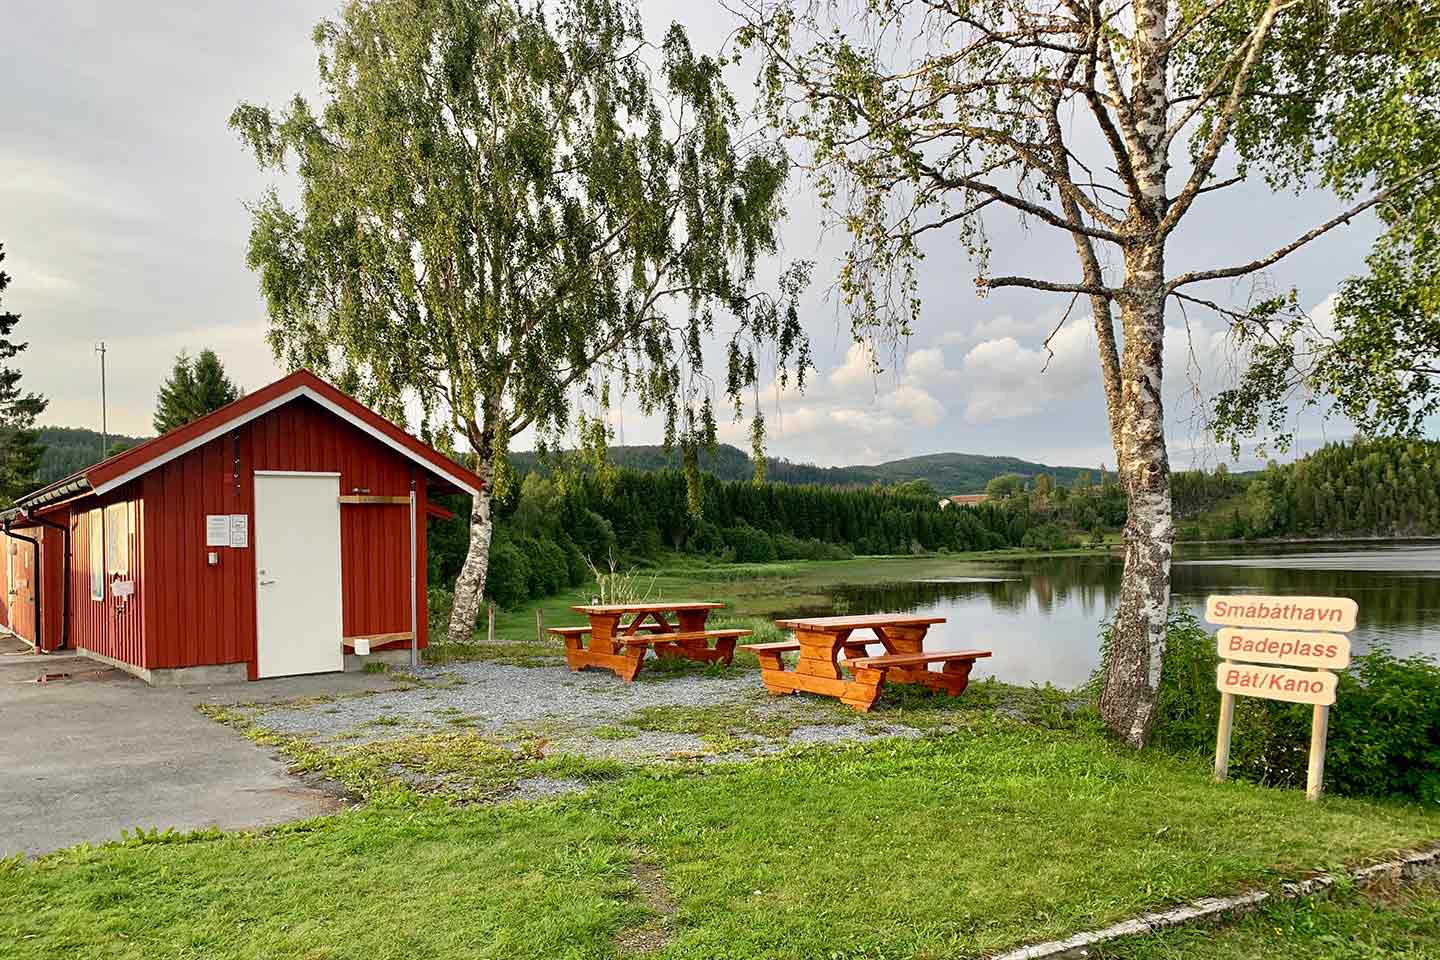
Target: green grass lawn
(949, 846)
(1395, 925)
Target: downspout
(39, 580)
(64, 578)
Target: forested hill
(68, 449)
(947, 472)
(1384, 488)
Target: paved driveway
(84, 758)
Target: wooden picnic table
(821, 641)
(673, 628)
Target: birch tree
(1108, 121)
(1365, 114)
(509, 209)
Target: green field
(954, 845)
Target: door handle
(265, 582)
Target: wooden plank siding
(112, 627)
(374, 538)
(202, 614)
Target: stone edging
(1407, 866)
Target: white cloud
(1007, 380)
(857, 369)
(927, 363)
(916, 403)
(1006, 325)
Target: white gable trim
(260, 411)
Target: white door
(297, 569)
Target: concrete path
(83, 758)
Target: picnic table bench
(608, 642)
(821, 641)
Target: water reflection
(1041, 617)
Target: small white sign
(239, 530)
(122, 588)
(217, 530)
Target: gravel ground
(644, 746)
(542, 788)
(497, 698)
(565, 709)
(829, 733)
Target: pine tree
(194, 388)
(20, 448)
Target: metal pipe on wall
(414, 618)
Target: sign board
(1282, 613)
(1288, 647)
(1292, 631)
(122, 588)
(239, 530)
(217, 530)
(1276, 683)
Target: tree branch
(1206, 161)
(990, 283)
(1341, 219)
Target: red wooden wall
(374, 538)
(112, 626)
(19, 617)
(196, 614)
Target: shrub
(1047, 536)
(549, 569)
(593, 534)
(706, 538)
(1384, 728)
(575, 564)
(788, 547)
(750, 545)
(440, 601)
(508, 580)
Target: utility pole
(104, 427)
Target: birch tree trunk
(1137, 643)
(470, 584)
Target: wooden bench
(769, 653)
(912, 668)
(573, 635)
(687, 644)
(834, 660)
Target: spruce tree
(194, 388)
(20, 447)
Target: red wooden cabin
(272, 537)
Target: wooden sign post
(1263, 642)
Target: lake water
(1041, 617)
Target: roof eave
(54, 493)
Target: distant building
(964, 500)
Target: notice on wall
(239, 530)
(122, 588)
(217, 530)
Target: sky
(122, 214)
